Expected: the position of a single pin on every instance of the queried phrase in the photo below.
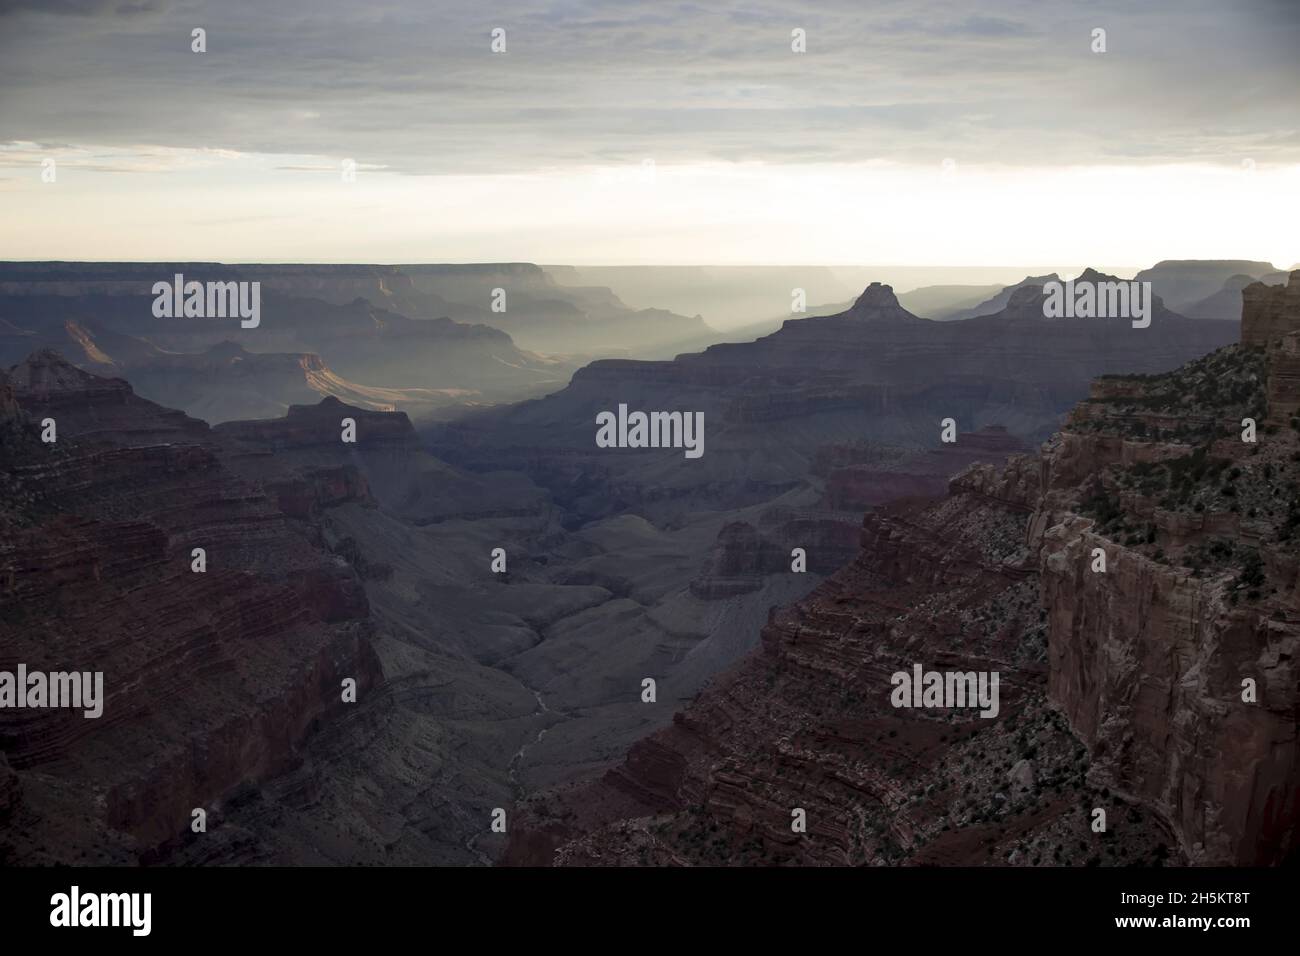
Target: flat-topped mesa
(321, 424)
(879, 304)
(231, 355)
(330, 283)
(1270, 312)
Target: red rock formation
(1268, 312)
(1174, 668)
(1148, 660)
(807, 722)
(1284, 379)
(1271, 319)
(737, 563)
(212, 680)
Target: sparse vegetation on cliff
(1195, 404)
(1199, 485)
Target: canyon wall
(1134, 583)
(1151, 660)
(212, 678)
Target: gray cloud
(82, 8)
(412, 86)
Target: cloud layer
(910, 131)
(414, 87)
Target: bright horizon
(236, 209)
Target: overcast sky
(909, 132)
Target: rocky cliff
(805, 724)
(1134, 584)
(1268, 311)
(212, 678)
(1176, 666)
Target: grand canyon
(393, 643)
(509, 467)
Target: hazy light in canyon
(195, 204)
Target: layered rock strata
(1134, 584)
(212, 679)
